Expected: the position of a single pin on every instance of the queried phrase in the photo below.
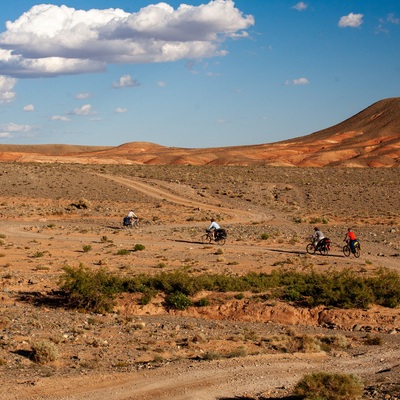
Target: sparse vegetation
(343, 289)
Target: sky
(191, 74)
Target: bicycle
(347, 249)
(323, 247)
(219, 237)
(130, 223)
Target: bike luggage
(221, 233)
(126, 221)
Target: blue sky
(191, 74)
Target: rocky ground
(57, 215)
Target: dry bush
(44, 351)
(329, 386)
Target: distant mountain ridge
(371, 138)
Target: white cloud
(63, 118)
(50, 40)
(9, 130)
(29, 107)
(351, 21)
(11, 127)
(84, 110)
(7, 94)
(298, 81)
(121, 110)
(82, 96)
(125, 81)
(393, 20)
(300, 6)
(161, 83)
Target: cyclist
(131, 216)
(351, 239)
(213, 228)
(317, 237)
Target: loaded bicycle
(219, 236)
(347, 250)
(323, 247)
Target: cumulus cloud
(29, 107)
(161, 83)
(84, 110)
(120, 110)
(300, 6)
(298, 81)
(7, 94)
(50, 40)
(352, 21)
(125, 81)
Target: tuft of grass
(86, 248)
(264, 236)
(138, 247)
(373, 340)
(329, 386)
(123, 252)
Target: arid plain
(57, 211)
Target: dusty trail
(228, 379)
(238, 215)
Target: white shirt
(131, 214)
(213, 225)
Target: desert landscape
(62, 207)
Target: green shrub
(123, 252)
(203, 302)
(86, 247)
(138, 247)
(89, 290)
(264, 236)
(329, 386)
(344, 289)
(178, 301)
(44, 352)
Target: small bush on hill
(44, 352)
(329, 386)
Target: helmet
(212, 219)
(348, 229)
(316, 229)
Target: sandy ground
(50, 212)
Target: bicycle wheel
(357, 251)
(206, 239)
(222, 241)
(310, 248)
(135, 223)
(346, 250)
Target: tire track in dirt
(238, 215)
